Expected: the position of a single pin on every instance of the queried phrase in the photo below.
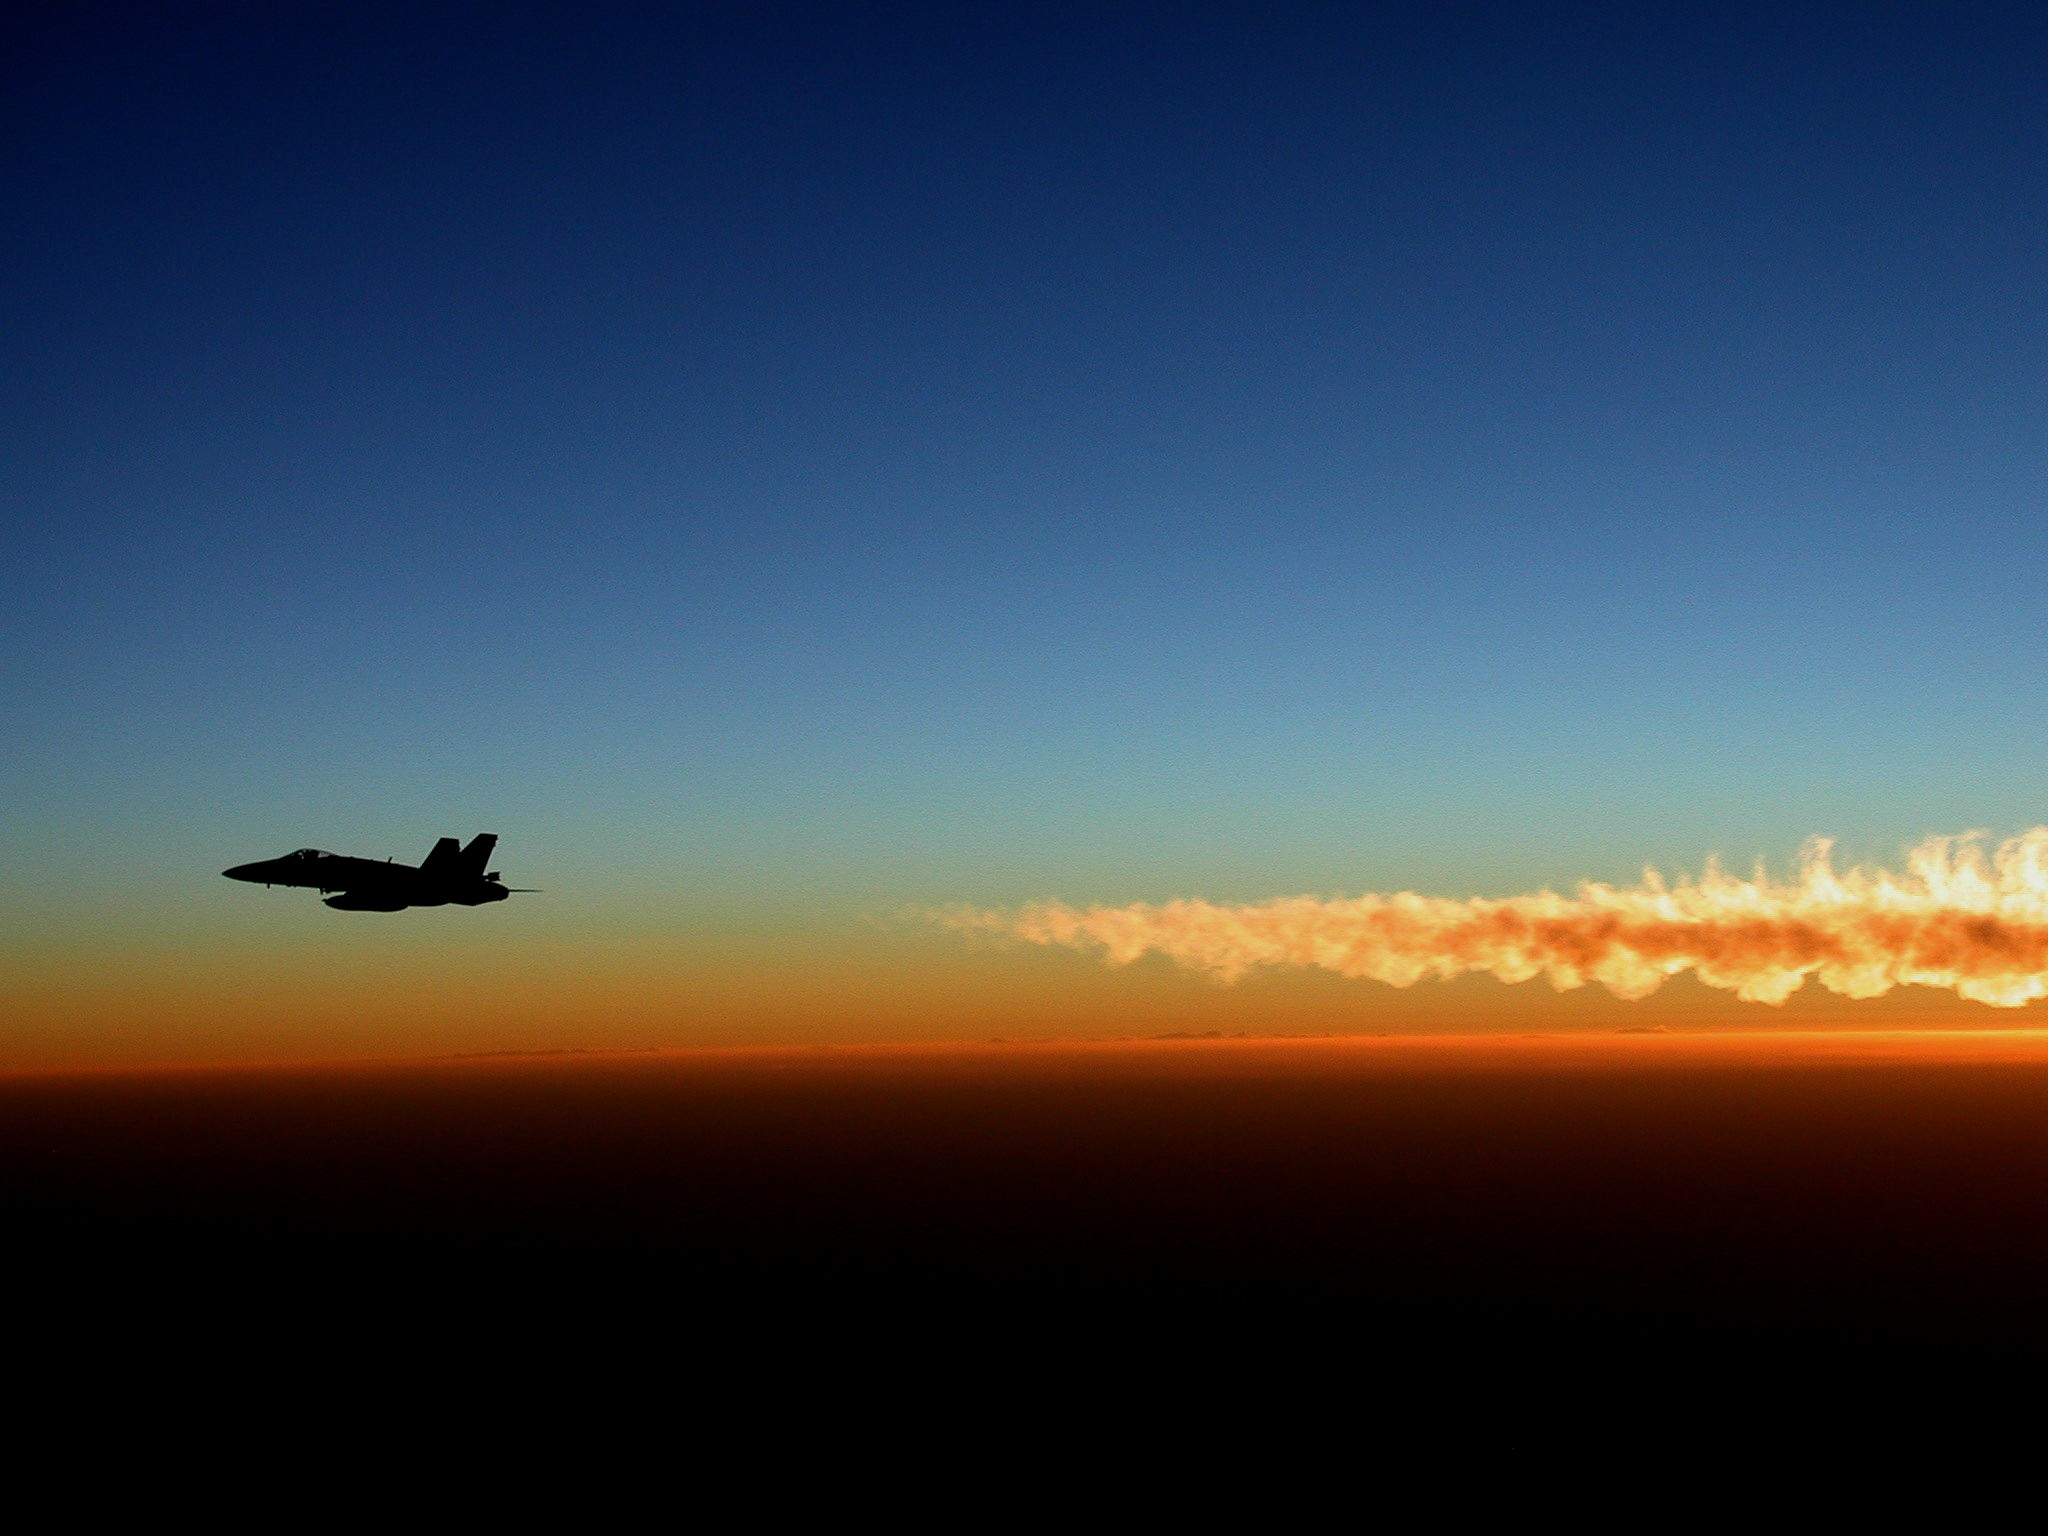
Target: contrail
(1955, 919)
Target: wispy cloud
(1958, 918)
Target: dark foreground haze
(1418, 1203)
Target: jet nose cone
(241, 872)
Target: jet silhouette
(450, 874)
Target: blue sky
(797, 462)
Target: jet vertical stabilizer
(478, 854)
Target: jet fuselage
(449, 876)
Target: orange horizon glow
(310, 994)
(1631, 1049)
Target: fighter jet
(449, 874)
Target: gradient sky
(777, 466)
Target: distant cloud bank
(1957, 918)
